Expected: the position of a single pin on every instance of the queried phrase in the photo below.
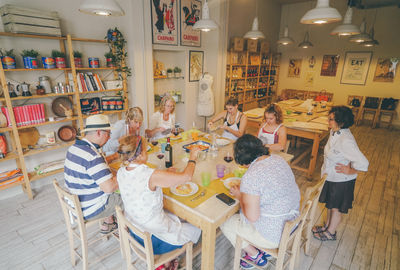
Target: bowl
(67, 133)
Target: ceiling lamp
(101, 7)
(306, 43)
(285, 40)
(373, 41)
(346, 29)
(205, 24)
(362, 37)
(322, 13)
(254, 33)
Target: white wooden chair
(311, 194)
(145, 253)
(289, 244)
(77, 227)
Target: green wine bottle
(168, 154)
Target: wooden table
(210, 214)
(295, 129)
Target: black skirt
(338, 195)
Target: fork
(198, 196)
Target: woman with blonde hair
(162, 121)
(272, 132)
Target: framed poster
(329, 65)
(385, 69)
(164, 21)
(294, 68)
(190, 14)
(355, 67)
(196, 60)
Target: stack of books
(88, 82)
(26, 115)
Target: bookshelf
(15, 151)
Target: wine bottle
(168, 154)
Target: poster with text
(355, 69)
(190, 14)
(329, 65)
(164, 20)
(385, 69)
(294, 68)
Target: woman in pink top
(272, 133)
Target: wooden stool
(389, 113)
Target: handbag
(389, 104)
(371, 103)
(355, 102)
(322, 96)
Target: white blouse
(342, 148)
(158, 121)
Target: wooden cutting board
(28, 136)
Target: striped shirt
(84, 170)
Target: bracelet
(193, 161)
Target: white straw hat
(97, 122)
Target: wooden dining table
(299, 124)
(211, 213)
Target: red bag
(3, 145)
(322, 96)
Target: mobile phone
(225, 199)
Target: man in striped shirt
(88, 175)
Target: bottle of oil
(168, 154)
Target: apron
(234, 126)
(268, 138)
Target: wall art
(329, 65)
(355, 67)
(385, 69)
(164, 21)
(196, 61)
(190, 14)
(294, 68)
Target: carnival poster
(164, 20)
(190, 14)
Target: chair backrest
(312, 193)
(286, 146)
(129, 243)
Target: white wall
(386, 32)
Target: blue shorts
(159, 246)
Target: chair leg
(238, 251)
(84, 252)
(189, 256)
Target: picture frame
(164, 22)
(329, 65)
(196, 63)
(355, 68)
(385, 70)
(190, 13)
(294, 68)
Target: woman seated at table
(268, 195)
(163, 121)
(235, 122)
(141, 192)
(272, 132)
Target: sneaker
(245, 265)
(260, 260)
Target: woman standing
(268, 196)
(342, 161)
(235, 122)
(163, 121)
(272, 133)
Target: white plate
(193, 188)
(222, 142)
(229, 180)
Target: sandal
(319, 228)
(110, 227)
(325, 236)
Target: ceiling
(360, 4)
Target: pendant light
(306, 43)
(101, 7)
(347, 28)
(373, 41)
(205, 24)
(362, 37)
(254, 33)
(321, 14)
(285, 40)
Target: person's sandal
(319, 228)
(325, 236)
(110, 227)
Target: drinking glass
(205, 179)
(160, 156)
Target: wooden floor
(33, 234)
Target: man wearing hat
(88, 175)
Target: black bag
(389, 104)
(371, 103)
(355, 102)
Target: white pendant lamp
(373, 42)
(306, 43)
(254, 33)
(362, 37)
(285, 40)
(101, 7)
(347, 28)
(321, 14)
(205, 24)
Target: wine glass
(175, 131)
(228, 157)
(160, 156)
(154, 142)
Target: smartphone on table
(225, 199)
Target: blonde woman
(163, 121)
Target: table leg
(314, 155)
(208, 246)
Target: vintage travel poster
(385, 69)
(190, 14)
(294, 68)
(164, 20)
(355, 69)
(329, 65)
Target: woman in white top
(163, 121)
(342, 161)
(235, 122)
(272, 132)
(141, 192)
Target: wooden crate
(252, 45)
(30, 21)
(237, 44)
(264, 46)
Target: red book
(26, 115)
(31, 115)
(17, 115)
(82, 80)
(42, 116)
(36, 116)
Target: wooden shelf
(47, 148)
(9, 156)
(30, 36)
(5, 129)
(39, 96)
(11, 185)
(99, 68)
(104, 112)
(37, 69)
(33, 176)
(164, 78)
(101, 91)
(89, 40)
(50, 122)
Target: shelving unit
(15, 150)
(252, 78)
